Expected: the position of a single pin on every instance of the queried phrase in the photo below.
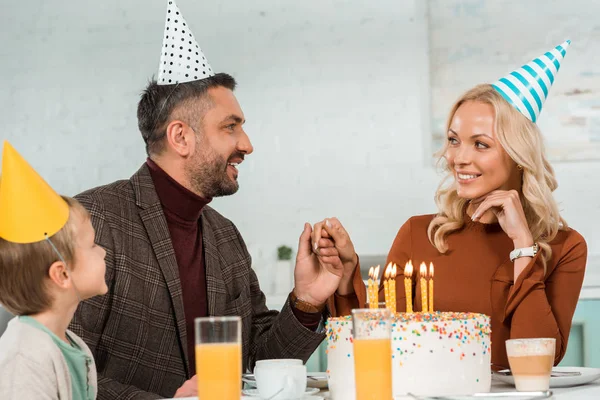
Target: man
(171, 258)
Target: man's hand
(316, 278)
(189, 388)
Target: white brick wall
(336, 95)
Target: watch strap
(524, 252)
(305, 306)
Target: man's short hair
(158, 102)
(24, 267)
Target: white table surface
(590, 391)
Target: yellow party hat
(29, 208)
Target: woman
(495, 200)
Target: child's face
(88, 271)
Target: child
(48, 264)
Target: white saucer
(309, 397)
(316, 380)
(313, 380)
(587, 375)
(253, 393)
(306, 397)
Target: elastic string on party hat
(66, 266)
(164, 103)
(181, 58)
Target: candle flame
(376, 274)
(388, 271)
(431, 270)
(408, 269)
(371, 273)
(394, 271)
(423, 270)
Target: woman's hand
(507, 207)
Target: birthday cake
(439, 353)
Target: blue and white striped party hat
(527, 88)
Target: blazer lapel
(216, 292)
(154, 221)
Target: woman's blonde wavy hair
(523, 142)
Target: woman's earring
(519, 167)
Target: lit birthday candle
(376, 288)
(370, 286)
(389, 287)
(393, 288)
(423, 280)
(430, 287)
(408, 271)
(386, 288)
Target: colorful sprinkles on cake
(419, 341)
(472, 327)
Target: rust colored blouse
(476, 275)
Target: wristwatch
(524, 252)
(305, 306)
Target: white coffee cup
(279, 361)
(285, 377)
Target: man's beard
(207, 172)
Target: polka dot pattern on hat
(181, 59)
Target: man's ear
(180, 138)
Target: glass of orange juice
(219, 357)
(371, 330)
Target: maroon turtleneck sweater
(182, 210)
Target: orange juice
(219, 371)
(373, 369)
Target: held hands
(316, 277)
(507, 207)
(328, 237)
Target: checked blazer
(137, 331)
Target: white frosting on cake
(433, 354)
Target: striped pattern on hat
(527, 88)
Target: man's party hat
(181, 59)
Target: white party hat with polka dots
(181, 59)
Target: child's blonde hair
(24, 267)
